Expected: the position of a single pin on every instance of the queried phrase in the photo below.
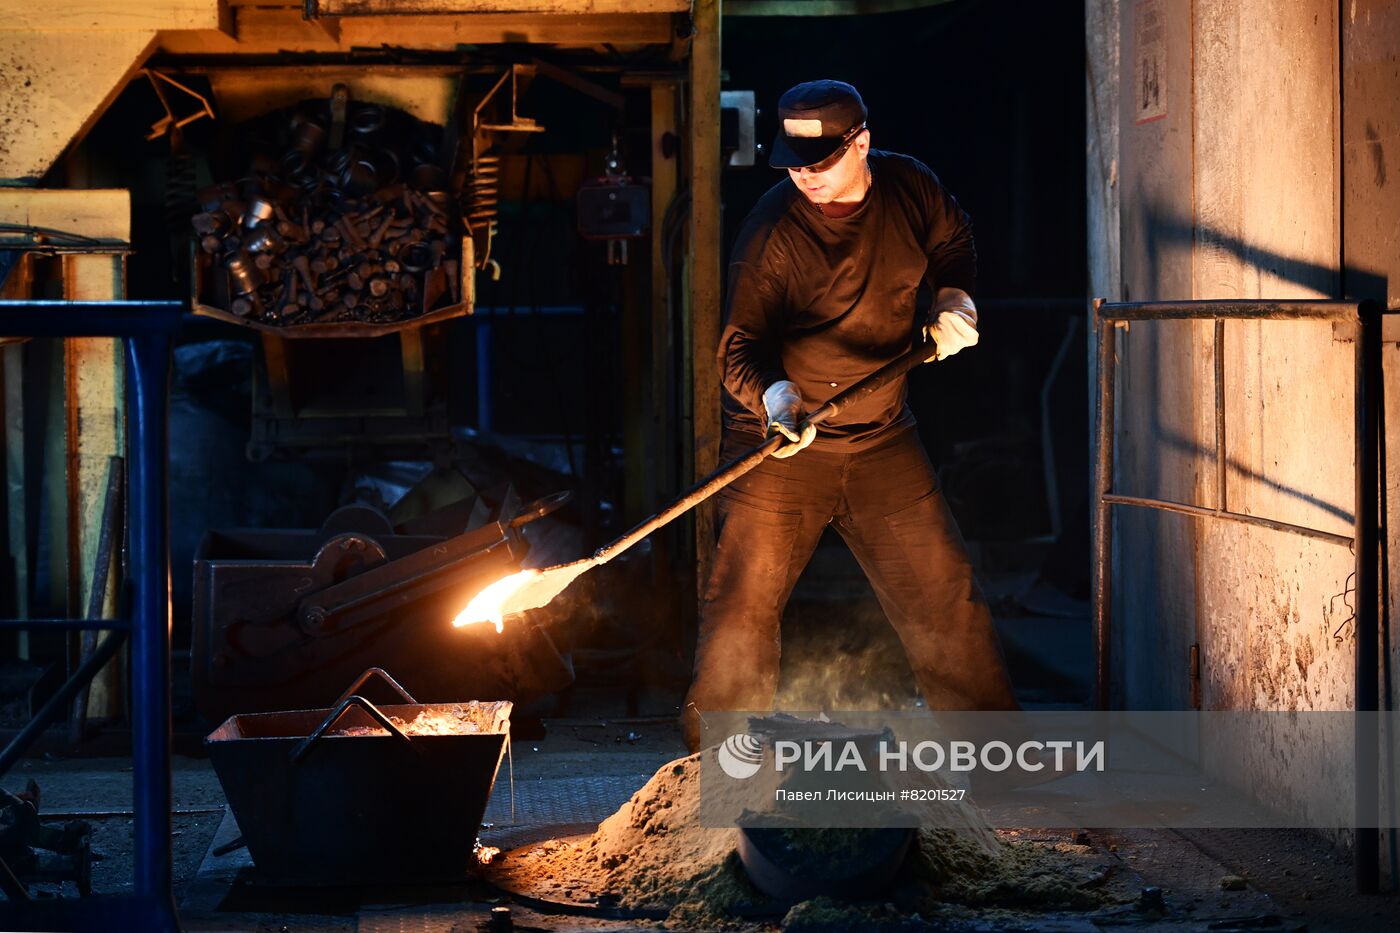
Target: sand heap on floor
(653, 855)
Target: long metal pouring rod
(540, 587)
(731, 471)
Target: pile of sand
(653, 856)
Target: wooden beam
(53, 88)
(823, 7)
(95, 405)
(89, 413)
(483, 28)
(19, 487)
(95, 379)
(649, 380)
(664, 181)
(256, 31)
(659, 379)
(243, 93)
(103, 214)
(473, 7)
(109, 15)
(705, 272)
(267, 31)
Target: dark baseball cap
(814, 120)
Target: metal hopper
(358, 793)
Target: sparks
(489, 604)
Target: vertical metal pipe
(1368, 402)
(148, 361)
(1221, 474)
(1103, 511)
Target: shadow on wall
(1166, 230)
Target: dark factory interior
(447, 486)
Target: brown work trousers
(886, 503)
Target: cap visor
(788, 152)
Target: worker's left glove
(783, 405)
(952, 325)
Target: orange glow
(490, 604)
(485, 854)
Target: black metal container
(319, 808)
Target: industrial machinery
(279, 614)
(92, 210)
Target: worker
(822, 291)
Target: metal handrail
(1366, 318)
(148, 328)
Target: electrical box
(738, 138)
(615, 208)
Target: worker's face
(838, 178)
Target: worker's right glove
(783, 405)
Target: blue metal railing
(147, 327)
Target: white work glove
(953, 324)
(783, 405)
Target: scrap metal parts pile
(344, 216)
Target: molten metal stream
(528, 589)
(489, 604)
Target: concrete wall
(1162, 389)
(1251, 143)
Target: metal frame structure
(147, 328)
(1364, 319)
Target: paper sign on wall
(1150, 80)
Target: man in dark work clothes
(822, 287)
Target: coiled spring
(484, 190)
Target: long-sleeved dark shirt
(824, 301)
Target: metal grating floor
(404, 920)
(550, 807)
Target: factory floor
(589, 763)
(1294, 880)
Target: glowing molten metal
(490, 604)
